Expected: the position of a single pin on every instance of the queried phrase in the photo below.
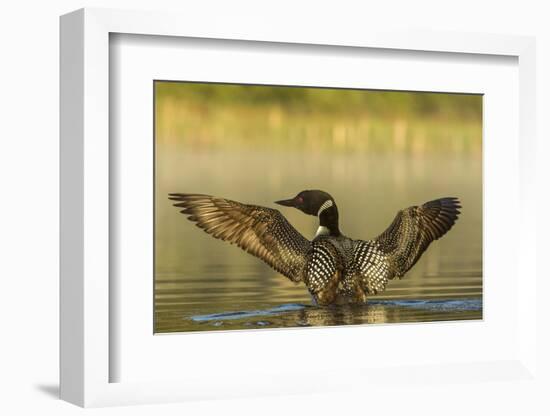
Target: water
(377, 311)
(205, 284)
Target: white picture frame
(86, 355)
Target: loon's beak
(287, 202)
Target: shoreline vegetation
(319, 120)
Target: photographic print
(285, 207)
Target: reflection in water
(371, 170)
(375, 312)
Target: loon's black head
(319, 204)
(310, 202)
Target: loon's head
(319, 204)
(310, 202)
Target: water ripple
(447, 305)
(439, 305)
(277, 310)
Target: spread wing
(412, 231)
(260, 231)
(397, 249)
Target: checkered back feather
(373, 267)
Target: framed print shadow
(314, 206)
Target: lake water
(203, 284)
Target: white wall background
(29, 191)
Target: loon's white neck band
(322, 230)
(327, 204)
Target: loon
(335, 269)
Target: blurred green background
(375, 151)
(319, 119)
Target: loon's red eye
(299, 199)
